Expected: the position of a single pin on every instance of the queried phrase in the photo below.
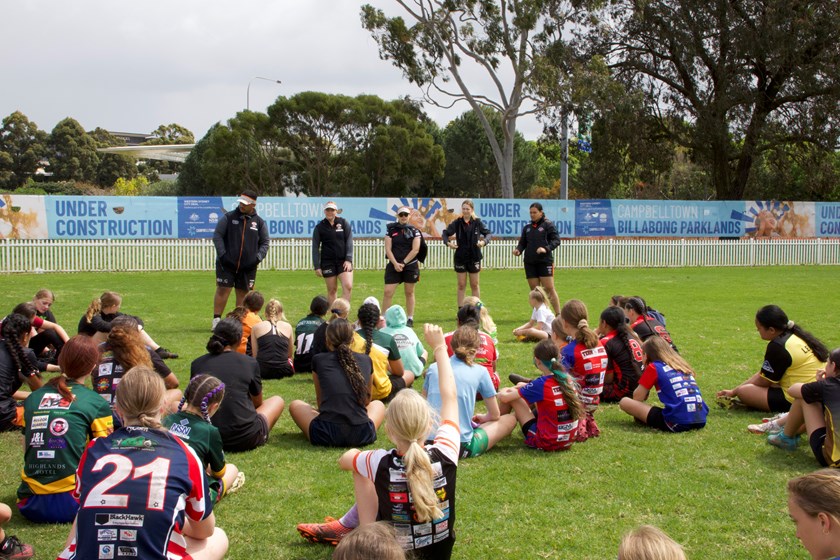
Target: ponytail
(368, 318)
(139, 397)
(77, 359)
(772, 316)
(201, 392)
(93, 309)
(574, 313)
(547, 353)
(16, 326)
(339, 336)
(420, 477)
(465, 343)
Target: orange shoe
(329, 532)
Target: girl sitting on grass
(676, 388)
(346, 416)
(192, 424)
(624, 355)
(586, 359)
(271, 343)
(559, 408)
(539, 327)
(816, 405)
(412, 486)
(486, 323)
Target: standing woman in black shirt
(470, 236)
(332, 252)
(538, 240)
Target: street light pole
(248, 91)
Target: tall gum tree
(746, 75)
(450, 41)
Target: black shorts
(255, 439)
(539, 270)
(656, 419)
(397, 385)
(242, 280)
(330, 434)
(776, 400)
(467, 265)
(817, 441)
(410, 274)
(332, 268)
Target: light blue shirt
(469, 381)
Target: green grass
(719, 491)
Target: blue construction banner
(126, 217)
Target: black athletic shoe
(166, 354)
(516, 378)
(410, 323)
(12, 549)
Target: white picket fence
(18, 255)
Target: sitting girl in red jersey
(559, 408)
(624, 355)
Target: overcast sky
(131, 66)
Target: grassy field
(720, 491)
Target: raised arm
(446, 380)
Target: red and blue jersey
(678, 392)
(134, 488)
(588, 366)
(555, 426)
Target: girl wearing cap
(470, 235)
(793, 355)
(332, 252)
(402, 244)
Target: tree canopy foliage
(447, 40)
(730, 80)
(22, 147)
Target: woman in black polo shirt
(332, 252)
(538, 240)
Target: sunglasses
(403, 214)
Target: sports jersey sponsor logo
(106, 534)
(46, 454)
(441, 536)
(39, 422)
(37, 439)
(181, 429)
(128, 534)
(105, 369)
(400, 516)
(681, 392)
(127, 551)
(441, 494)
(423, 529)
(767, 367)
(442, 526)
(102, 385)
(691, 407)
(53, 401)
(397, 475)
(59, 426)
(56, 443)
(234, 222)
(556, 390)
(399, 497)
(397, 488)
(137, 442)
(106, 552)
(120, 519)
(420, 542)
(592, 391)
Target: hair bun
(583, 323)
(790, 325)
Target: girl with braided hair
(684, 408)
(556, 394)
(63, 415)
(793, 355)
(389, 375)
(345, 415)
(143, 474)
(586, 359)
(17, 366)
(192, 424)
(624, 355)
(271, 343)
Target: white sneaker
(215, 322)
(771, 427)
(238, 483)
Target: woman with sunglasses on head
(332, 252)
(402, 245)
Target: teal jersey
(56, 433)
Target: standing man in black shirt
(402, 244)
(241, 240)
(332, 252)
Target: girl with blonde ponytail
(271, 343)
(586, 359)
(427, 495)
(161, 482)
(558, 415)
(539, 327)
